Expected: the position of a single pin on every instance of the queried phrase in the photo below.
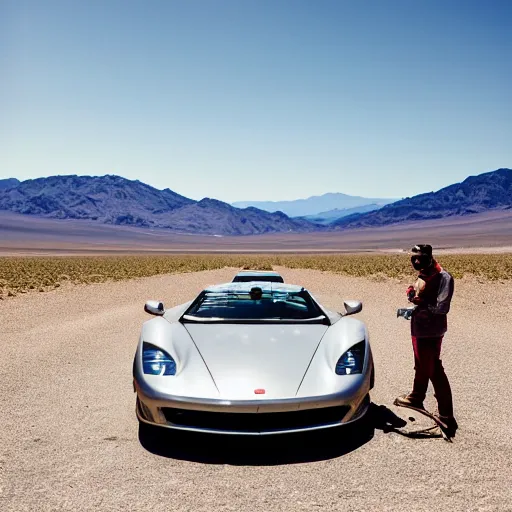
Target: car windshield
(241, 278)
(254, 305)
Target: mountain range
(115, 200)
(118, 201)
(312, 206)
(491, 190)
(331, 216)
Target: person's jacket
(429, 318)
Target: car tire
(372, 378)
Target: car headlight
(352, 360)
(156, 361)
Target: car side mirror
(352, 307)
(154, 307)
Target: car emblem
(259, 391)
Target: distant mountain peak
(214, 202)
(313, 205)
(9, 183)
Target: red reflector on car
(259, 391)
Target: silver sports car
(252, 358)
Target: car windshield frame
(269, 297)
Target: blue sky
(257, 100)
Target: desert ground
(26, 234)
(69, 437)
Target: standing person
(432, 294)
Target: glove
(411, 293)
(418, 301)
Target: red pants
(428, 366)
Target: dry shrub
(21, 274)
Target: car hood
(244, 357)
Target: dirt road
(69, 436)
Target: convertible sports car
(252, 358)
(258, 275)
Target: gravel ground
(69, 437)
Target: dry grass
(23, 274)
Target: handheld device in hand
(405, 312)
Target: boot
(450, 423)
(407, 401)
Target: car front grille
(255, 422)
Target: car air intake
(255, 422)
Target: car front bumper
(252, 417)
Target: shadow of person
(386, 420)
